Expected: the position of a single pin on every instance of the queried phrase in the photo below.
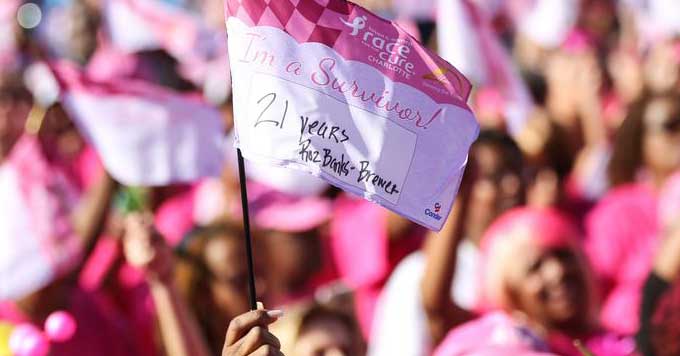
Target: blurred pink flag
(145, 135)
(137, 25)
(8, 45)
(467, 40)
(37, 243)
(546, 22)
(655, 19)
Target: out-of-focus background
(566, 229)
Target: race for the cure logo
(434, 214)
(392, 53)
(356, 25)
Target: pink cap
(577, 42)
(512, 232)
(282, 212)
(489, 100)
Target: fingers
(257, 338)
(138, 250)
(267, 350)
(242, 324)
(139, 242)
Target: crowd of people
(564, 238)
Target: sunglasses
(672, 125)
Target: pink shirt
(621, 242)
(363, 254)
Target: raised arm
(145, 249)
(89, 216)
(440, 249)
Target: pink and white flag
(37, 242)
(145, 135)
(201, 50)
(8, 44)
(327, 87)
(467, 39)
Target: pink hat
(577, 42)
(274, 210)
(669, 201)
(490, 100)
(511, 233)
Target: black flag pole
(252, 297)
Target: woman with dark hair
(328, 331)
(622, 229)
(217, 293)
(212, 275)
(315, 328)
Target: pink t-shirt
(621, 241)
(363, 254)
(496, 333)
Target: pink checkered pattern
(304, 20)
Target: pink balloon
(20, 332)
(27, 340)
(60, 326)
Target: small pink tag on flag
(327, 87)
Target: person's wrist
(157, 280)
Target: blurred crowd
(564, 238)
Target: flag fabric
(127, 29)
(327, 87)
(8, 44)
(656, 20)
(145, 135)
(138, 25)
(37, 242)
(467, 39)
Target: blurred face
(550, 286)
(662, 67)
(293, 258)
(61, 131)
(12, 120)
(225, 257)
(626, 73)
(326, 337)
(661, 142)
(496, 189)
(544, 190)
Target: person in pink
(622, 230)
(385, 239)
(537, 290)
